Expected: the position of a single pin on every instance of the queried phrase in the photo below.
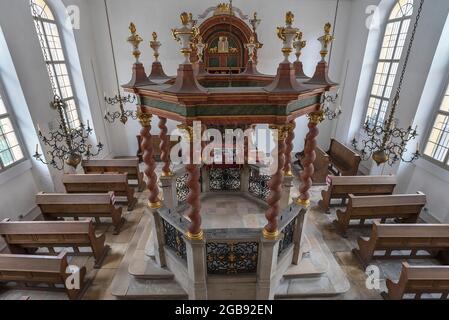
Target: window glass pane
(438, 144)
(396, 31)
(51, 46)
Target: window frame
(391, 61)
(436, 112)
(11, 116)
(51, 63)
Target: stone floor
(215, 215)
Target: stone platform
(139, 277)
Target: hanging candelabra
(66, 145)
(388, 143)
(329, 113)
(122, 114)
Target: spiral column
(147, 147)
(315, 118)
(289, 149)
(193, 183)
(165, 147)
(271, 230)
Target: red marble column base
(285, 80)
(139, 77)
(186, 81)
(299, 70)
(321, 75)
(157, 72)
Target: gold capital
(316, 117)
(144, 119)
(283, 130)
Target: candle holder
(66, 145)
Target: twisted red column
(193, 199)
(289, 149)
(147, 147)
(164, 146)
(309, 159)
(275, 185)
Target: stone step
(305, 269)
(320, 286)
(127, 286)
(144, 267)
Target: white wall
(416, 105)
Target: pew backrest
(129, 166)
(380, 202)
(87, 183)
(346, 160)
(75, 203)
(362, 185)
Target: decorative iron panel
(232, 258)
(287, 240)
(174, 240)
(221, 179)
(258, 185)
(182, 190)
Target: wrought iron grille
(174, 240)
(258, 184)
(224, 179)
(182, 190)
(287, 240)
(232, 258)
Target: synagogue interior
(237, 150)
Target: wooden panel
(44, 227)
(413, 230)
(387, 201)
(31, 263)
(78, 199)
(363, 180)
(134, 162)
(95, 178)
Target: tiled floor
(218, 215)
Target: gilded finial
(132, 28)
(289, 18)
(135, 41)
(185, 18)
(154, 35)
(155, 45)
(325, 40)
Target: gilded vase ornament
(135, 41)
(184, 36)
(155, 45)
(326, 40)
(299, 44)
(287, 34)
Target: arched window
(10, 149)
(50, 41)
(437, 147)
(396, 32)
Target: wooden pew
(419, 280)
(321, 165)
(341, 187)
(97, 183)
(344, 161)
(24, 237)
(40, 270)
(129, 166)
(61, 205)
(432, 238)
(405, 207)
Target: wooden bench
(24, 237)
(431, 238)
(321, 165)
(344, 161)
(97, 183)
(37, 270)
(341, 187)
(61, 205)
(419, 280)
(405, 207)
(129, 166)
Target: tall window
(390, 55)
(10, 150)
(48, 33)
(438, 144)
